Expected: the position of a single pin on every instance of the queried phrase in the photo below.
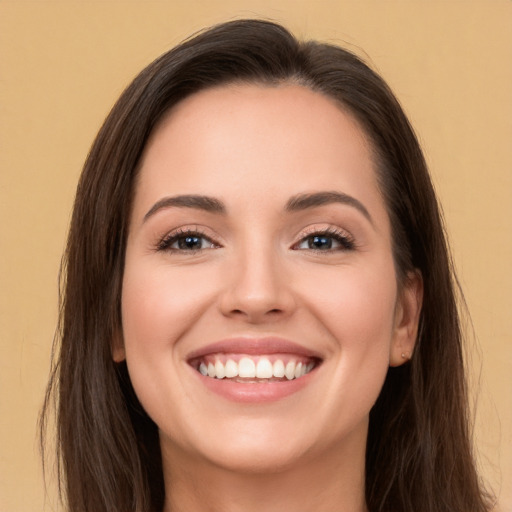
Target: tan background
(63, 63)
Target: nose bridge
(257, 286)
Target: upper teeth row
(247, 368)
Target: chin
(250, 446)
(256, 459)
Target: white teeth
(246, 368)
(264, 369)
(249, 369)
(231, 369)
(290, 370)
(219, 370)
(278, 368)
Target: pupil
(320, 242)
(190, 242)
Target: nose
(258, 289)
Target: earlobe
(407, 317)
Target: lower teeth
(257, 381)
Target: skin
(253, 148)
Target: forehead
(261, 112)
(253, 141)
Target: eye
(186, 241)
(327, 240)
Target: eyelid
(346, 240)
(164, 243)
(327, 230)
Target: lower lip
(255, 392)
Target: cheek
(357, 303)
(159, 304)
(356, 307)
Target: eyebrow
(296, 203)
(208, 204)
(313, 200)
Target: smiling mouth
(250, 369)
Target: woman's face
(259, 248)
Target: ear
(118, 351)
(407, 316)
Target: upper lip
(254, 346)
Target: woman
(259, 308)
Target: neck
(331, 482)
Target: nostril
(270, 311)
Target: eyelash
(166, 243)
(345, 241)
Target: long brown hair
(419, 455)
